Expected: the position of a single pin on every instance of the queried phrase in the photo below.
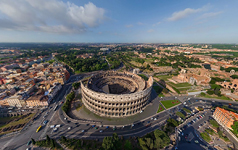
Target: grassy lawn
(205, 136)
(170, 103)
(180, 87)
(186, 84)
(21, 121)
(216, 97)
(7, 119)
(160, 108)
(164, 77)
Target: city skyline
(118, 21)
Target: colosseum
(116, 94)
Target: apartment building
(37, 100)
(16, 101)
(225, 117)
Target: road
(139, 129)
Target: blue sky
(153, 21)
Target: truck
(38, 129)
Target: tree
(63, 138)
(128, 145)
(107, 143)
(172, 122)
(235, 127)
(143, 144)
(210, 92)
(149, 143)
(180, 115)
(47, 139)
(52, 143)
(33, 141)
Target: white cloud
(140, 23)
(156, 23)
(184, 13)
(151, 30)
(49, 16)
(129, 25)
(211, 14)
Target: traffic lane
(183, 143)
(89, 130)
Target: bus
(55, 107)
(38, 129)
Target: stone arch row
(109, 113)
(113, 108)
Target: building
(16, 101)
(116, 94)
(4, 103)
(225, 117)
(37, 100)
(230, 85)
(53, 91)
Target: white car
(55, 129)
(151, 118)
(65, 118)
(82, 131)
(141, 111)
(155, 119)
(101, 131)
(69, 128)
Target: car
(101, 131)
(155, 119)
(141, 111)
(101, 126)
(196, 141)
(29, 142)
(186, 136)
(28, 148)
(45, 122)
(50, 107)
(69, 128)
(93, 126)
(151, 118)
(107, 127)
(55, 129)
(132, 125)
(82, 131)
(205, 122)
(65, 118)
(114, 128)
(96, 127)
